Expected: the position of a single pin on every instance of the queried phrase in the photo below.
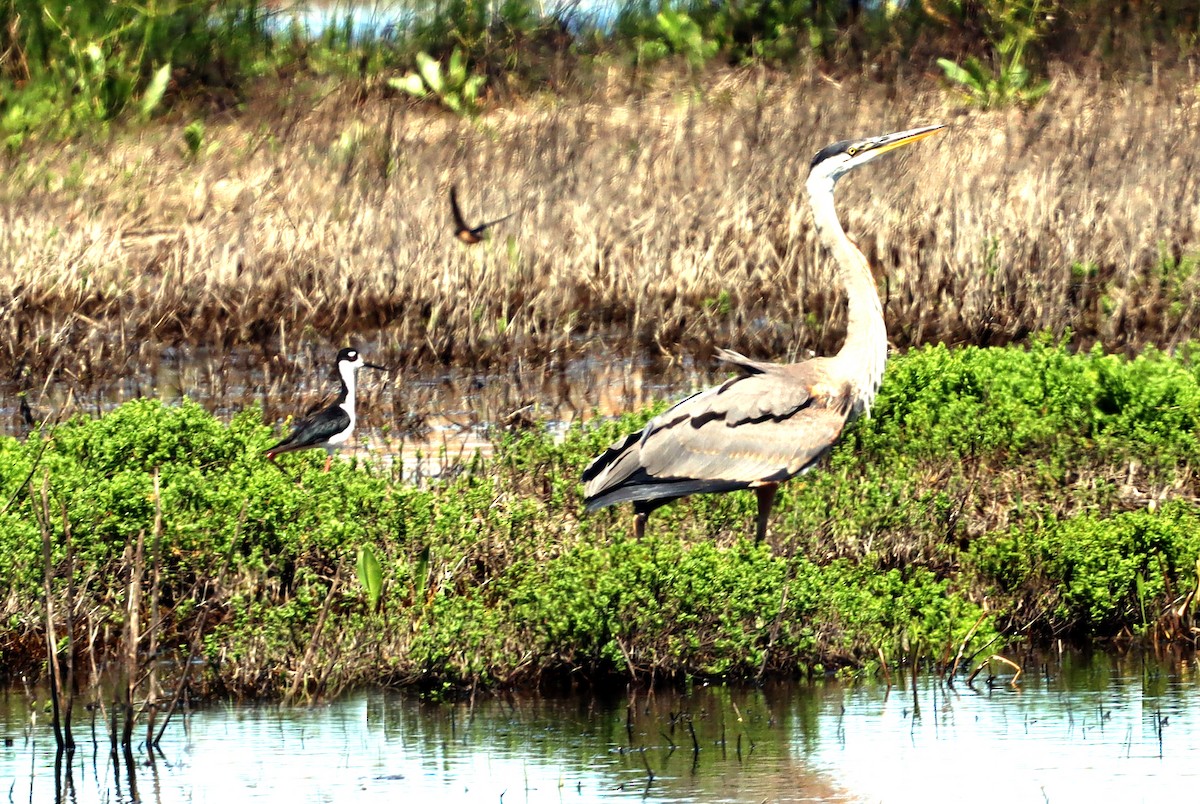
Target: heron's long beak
(890, 142)
(374, 366)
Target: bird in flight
(464, 231)
(331, 427)
(772, 421)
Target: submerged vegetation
(994, 492)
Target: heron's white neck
(346, 370)
(862, 357)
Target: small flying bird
(462, 230)
(332, 427)
(772, 421)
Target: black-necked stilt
(462, 230)
(329, 428)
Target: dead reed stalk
(61, 691)
(153, 691)
(135, 560)
(301, 678)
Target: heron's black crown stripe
(830, 150)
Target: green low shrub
(1091, 576)
(1003, 477)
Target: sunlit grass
(668, 223)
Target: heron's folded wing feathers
(766, 425)
(758, 426)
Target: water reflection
(1085, 729)
(1098, 728)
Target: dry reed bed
(671, 220)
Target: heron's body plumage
(766, 425)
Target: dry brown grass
(317, 220)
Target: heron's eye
(851, 151)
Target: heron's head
(836, 160)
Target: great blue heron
(772, 421)
(331, 427)
(463, 230)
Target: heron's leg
(328, 461)
(639, 523)
(766, 498)
(641, 510)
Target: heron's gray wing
(758, 428)
(763, 391)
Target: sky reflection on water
(1087, 731)
(1080, 730)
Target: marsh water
(1072, 728)
(430, 419)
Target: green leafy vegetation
(455, 86)
(675, 32)
(1015, 491)
(1133, 572)
(70, 68)
(1011, 27)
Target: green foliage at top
(758, 30)
(1019, 478)
(455, 86)
(1010, 27)
(675, 31)
(74, 65)
(68, 68)
(478, 27)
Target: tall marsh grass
(665, 222)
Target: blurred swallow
(464, 232)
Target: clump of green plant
(675, 31)
(773, 30)
(753, 31)
(455, 87)
(1092, 575)
(193, 138)
(1011, 27)
(77, 66)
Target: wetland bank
(1029, 470)
(1078, 727)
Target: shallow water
(429, 419)
(1100, 728)
(371, 19)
